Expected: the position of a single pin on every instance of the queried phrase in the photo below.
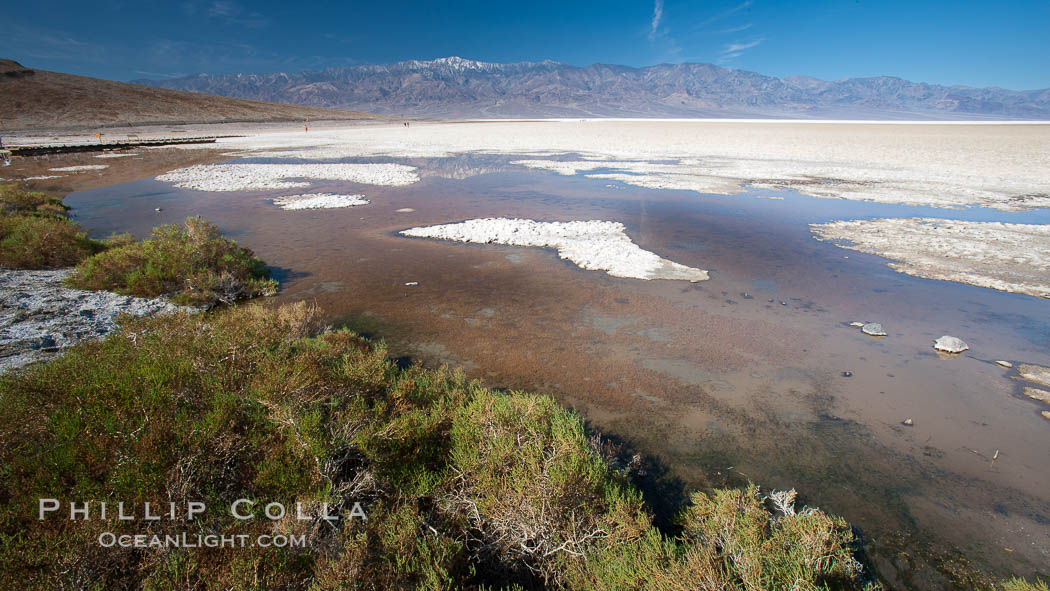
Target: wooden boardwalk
(102, 146)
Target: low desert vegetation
(36, 232)
(192, 265)
(463, 487)
(1019, 584)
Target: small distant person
(306, 129)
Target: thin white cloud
(233, 13)
(658, 15)
(160, 74)
(734, 50)
(222, 8)
(722, 15)
(739, 47)
(734, 29)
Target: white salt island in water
(593, 245)
(319, 201)
(80, 168)
(246, 177)
(1007, 257)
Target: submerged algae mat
(734, 379)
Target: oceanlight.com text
(184, 540)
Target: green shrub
(16, 201)
(35, 233)
(464, 488)
(42, 243)
(194, 265)
(1019, 584)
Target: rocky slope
(35, 99)
(455, 87)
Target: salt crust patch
(44, 178)
(651, 175)
(115, 155)
(1035, 373)
(594, 245)
(319, 201)
(674, 182)
(1003, 167)
(80, 168)
(244, 177)
(1007, 257)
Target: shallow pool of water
(733, 379)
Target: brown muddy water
(734, 379)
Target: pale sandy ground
(1007, 257)
(594, 245)
(1003, 166)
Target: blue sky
(973, 43)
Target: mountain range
(453, 87)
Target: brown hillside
(38, 99)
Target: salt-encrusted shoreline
(244, 177)
(319, 201)
(1007, 257)
(39, 317)
(640, 173)
(1003, 167)
(593, 245)
(81, 168)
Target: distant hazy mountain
(459, 88)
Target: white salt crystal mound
(950, 344)
(1037, 394)
(247, 177)
(873, 329)
(593, 245)
(80, 168)
(319, 201)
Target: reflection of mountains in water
(463, 166)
